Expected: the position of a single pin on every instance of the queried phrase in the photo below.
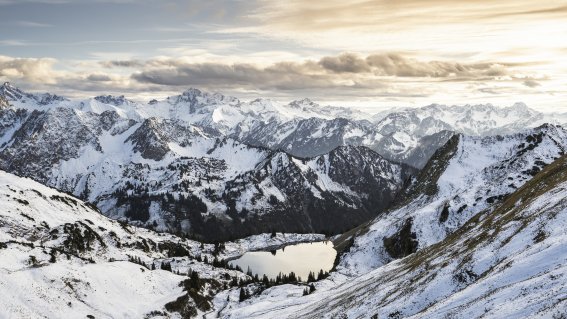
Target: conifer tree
(243, 294)
(311, 288)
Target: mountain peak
(10, 92)
(111, 99)
(306, 102)
(196, 97)
(520, 106)
(193, 92)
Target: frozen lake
(301, 259)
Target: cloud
(28, 69)
(99, 78)
(346, 66)
(397, 65)
(531, 83)
(349, 63)
(281, 76)
(384, 74)
(122, 64)
(393, 15)
(32, 24)
(13, 43)
(393, 77)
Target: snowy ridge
(60, 257)
(481, 171)
(506, 259)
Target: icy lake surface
(300, 258)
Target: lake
(300, 258)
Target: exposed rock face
(3, 103)
(403, 243)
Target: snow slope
(467, 176)
(507, 261)
(61, 258)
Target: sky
(371, 54)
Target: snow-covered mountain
(4, 103)
(61, 258)
(475, 120)
(465, 177)
(481, 227)
(306, 129)
(170, 174)
(230, 161)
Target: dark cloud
(397, 65)
(122, 64)
(531, 83)
(282, 76)
(99, 78)
(344, 70)
(346, 62)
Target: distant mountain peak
(521, 105)
(111, 99)
(193, 92)
(11, 92)
(196, 97)
(306, 102)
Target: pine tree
(311, 288)
(243, 294)
(166, 266)
(311, 277)
(194, 281)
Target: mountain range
(213, 167)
